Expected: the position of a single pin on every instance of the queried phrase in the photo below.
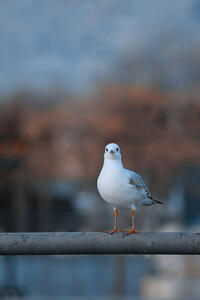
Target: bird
(122, 188)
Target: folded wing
(137, 181)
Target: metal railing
(50, 243)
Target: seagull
(122, 188)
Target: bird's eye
(117, 149)
(107, 149)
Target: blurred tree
(158, 132)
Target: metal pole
(99, 243)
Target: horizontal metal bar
(99, 243)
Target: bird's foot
(132, 231)
(111, 231)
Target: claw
(132, 231)
(111, 231)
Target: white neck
(117, 163)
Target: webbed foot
(132, 231)
(112, 231)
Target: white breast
(113, 186)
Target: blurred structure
(75, 76)
(51, 155)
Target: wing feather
(137, 181)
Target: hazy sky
(76, 44)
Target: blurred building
(76, 75)
(50, 157)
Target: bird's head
(112, 151)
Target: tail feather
(156, 201)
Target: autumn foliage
(159, 134)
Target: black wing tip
(156, 201)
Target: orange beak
(112, 152)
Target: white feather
(122, 188)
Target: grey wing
(136, 180)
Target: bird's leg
(133, 230)
(115, 224)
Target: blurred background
(74, 76)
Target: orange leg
(133, 230)
(115, 224)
